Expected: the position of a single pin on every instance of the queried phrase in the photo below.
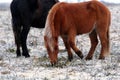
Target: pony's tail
(108, 33)
(108, 36)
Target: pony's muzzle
(54, 62)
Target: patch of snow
(38, 67)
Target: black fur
(26, 14)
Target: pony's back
(85, 14)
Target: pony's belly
(85, 30)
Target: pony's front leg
(94, 42)
(71, 39)
(67, 46)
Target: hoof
(101, 57)
(70, 58)
(88, 58)
(18, 56)
(81, 56)
(79, 53)
(18, 53)
(26, 55)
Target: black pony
(27, 13)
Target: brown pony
(70, 19)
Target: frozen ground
(37, 67)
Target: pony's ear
(56, 0)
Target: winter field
(37, 67)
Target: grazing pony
(27, 13)
(70, 19)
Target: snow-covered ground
(37, 67)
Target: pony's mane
(49, 26)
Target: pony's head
(50, 38)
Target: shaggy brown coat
(70, 19)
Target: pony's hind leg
(24, 34)
(73, 46)
(94, 42)
(17, 31)
(104, 38)
(17, 42)
(67, 46)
